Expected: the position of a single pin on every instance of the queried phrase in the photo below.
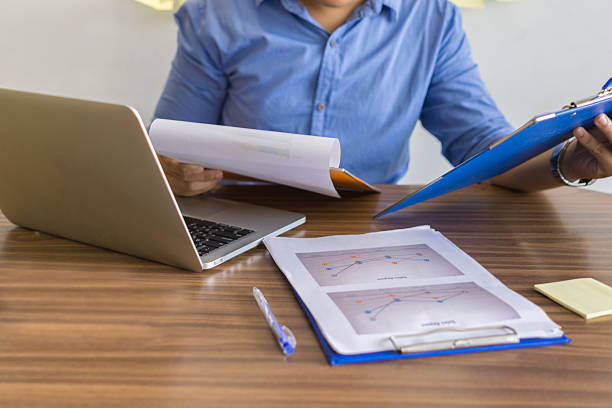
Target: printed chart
(421, 308)
(368, 265)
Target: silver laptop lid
(87, 171)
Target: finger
(204, 175)
(189, 169)
(190, 174)
(189, 179)
(185, 171)
(177, 167)
(172, 167)
(604, 124)
(167, 161)
(193, 185)
(601, 153)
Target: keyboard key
(220, 240)
(226, 234)
(214, 244)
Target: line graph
(420, 295)
(362, 265)
(389, 259)
(413, 309)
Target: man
(363, 71)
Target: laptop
(87, 171)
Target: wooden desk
(82, 326)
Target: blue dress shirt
(267, 64)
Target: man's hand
(189, 179)
(591, 156)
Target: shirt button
(321, 107)
(333, 43)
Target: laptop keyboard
(208, 236)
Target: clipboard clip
(605, 93)
(509, 336)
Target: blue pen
(286, 339)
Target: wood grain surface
(81, 326)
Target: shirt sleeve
(196, 86)
(458, 110)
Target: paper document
(363, 289)
(299, 161)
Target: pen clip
(509, 337)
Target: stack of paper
(410, 284)
(302, 161)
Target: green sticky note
(585, 296)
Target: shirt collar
(376, 6)
(394, 5)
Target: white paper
(361, 289)
(299, 161)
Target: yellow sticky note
(586, 296)
(472, 3)
(469, 3)
(162, 5)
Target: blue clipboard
(536, 136)
(335, 358)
